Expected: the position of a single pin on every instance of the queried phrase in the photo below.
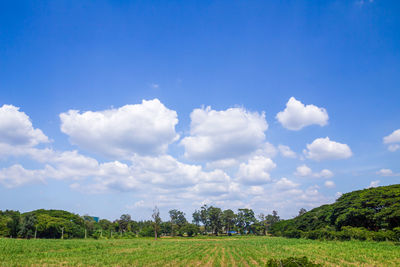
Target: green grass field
(217, 251)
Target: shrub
(291, 262)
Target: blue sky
(112, 107)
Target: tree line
(208, 220)
(369, 214)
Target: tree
(166, 228)
(245, 218)
(28, 226)
(190, 229)
(215, 219)
(228, 220)
(204, 217)
(196, 217)
(157, 221)
(13, 222)
(177, 219)
(302, 211)
(123, 222)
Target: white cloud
(256, 170)
(255, 190)
(16, 175)
(285, 184)
(392, 139)
(330, 184)
(297, 116)
(393, 148)
(387, 172)
(325, 149)
(325, 173)
(147, 129)
(230, 133)
(16, 128)
(374, 184)
(221, 164)
(286, 151)
(305, 171)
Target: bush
(146, 231)
(293, 233)
(291, 262)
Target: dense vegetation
(63, 224)
(372, 213)
(195, 251)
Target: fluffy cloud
(374, 184)
(216, 135)
(330, 184)
(285, 184)
(145, 129)
(16, 175)
(387, 172)
(392, 139)
(393, 147)
(256, 170)
(305, 171)
(286, 151)
(16, 128)
(297, 116)
(325, 149)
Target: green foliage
(291, 262)
(147, 231)
(28, 226)
(178, 220)
(190, 229)
(49, 223)
(244, 220)
(370, 214)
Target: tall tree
(177, 219)
(196, 217)
(215, 219)
(157, 221)
(27, 227)
(228, 220)
(123, 222)
(302, 211)
(204, 217)
(245, 218)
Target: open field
(217, 251)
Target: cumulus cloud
(330, 184)
(16, 175)
(286, 151)
(256, 170)
(325, 149)
(374, 184)
(305, 171)
(392, 139)
(387, 172)
(285, 184)
(297, 115)
(216, 135)
(16, 128)
(394, 147)
(146, 129)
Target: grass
(213, 251)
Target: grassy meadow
(211, 251)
